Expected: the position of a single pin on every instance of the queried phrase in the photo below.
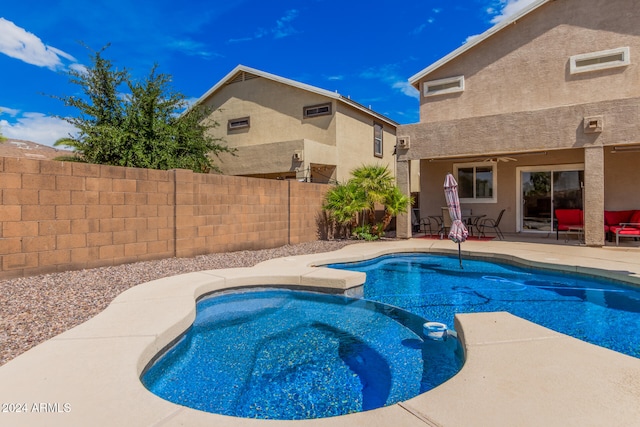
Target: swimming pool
(600, 312)
(284, 354)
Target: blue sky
(363, 49)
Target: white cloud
(188, 103)
(507, 8)
(471, 38)
(20, 44)
(420, 28)
(240, 40)
(407, 89)
(191, 47)
(79, 68)
(387, 74)
(36, 127)
(10, 111)
(281, 29)
(503, 10)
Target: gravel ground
(34, 309)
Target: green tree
(141, 128)
(376, 181)
(370, 186)
(101, 111)
(395, 202)
(343, 203)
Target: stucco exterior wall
(620, 186)
(275, 111)
(550, 129)
(331, 145)
(433, 174)
(621, 174)
(262, 158)
(355, 147)
(525, 66)
(520, 100)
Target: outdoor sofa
(621, 224)
(616, 223)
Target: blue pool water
(295, 355)
(600, 312)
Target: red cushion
(624, 229)
(568, 217)
(629, 232)
(617, 217)
(635, 218)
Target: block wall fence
(58, 216)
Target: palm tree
(344, 202)
(376, 181)
(370, 186)
(395, 202)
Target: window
(443, 86)
(317, 110)
(599, 60)
(377, 139)
(240, 123)
(476, 182)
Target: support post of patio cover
(593, 195)
(403, 181)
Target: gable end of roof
(243, 73)
(415, 79)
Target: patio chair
(446, 222)
(491, 223)
(415, 222)
(431, 223)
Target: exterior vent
(602, 60)
(241, 123)
(241, 77)
(317, 110)
(443, 86)
(403, 142)
(297, 156)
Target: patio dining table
(471, 221)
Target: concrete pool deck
(516, 373)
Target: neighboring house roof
(415, 79)
(257, 73)
(31, 150)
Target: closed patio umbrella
(458, 232)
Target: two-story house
(284, 129)
(540, 112)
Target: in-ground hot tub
(282, 354)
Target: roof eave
(369, 111)
(293, 83)
(266, 75)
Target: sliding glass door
(544, 189)
(536, 201)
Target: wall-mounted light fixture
(403, 142)
(593, 124)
